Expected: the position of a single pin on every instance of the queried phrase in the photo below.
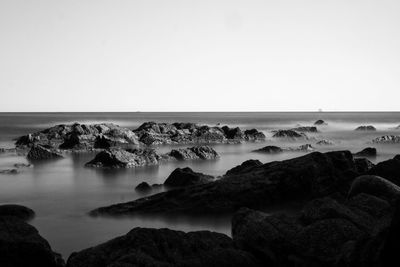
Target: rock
(38, 152)
(389, 169)
(289, 134)
(312, 175)
(196, 152)
(17, 211)
(363, 165)
(9, 171)
(22, 165)
(302, 148)
(254, 135)
(367, 152)
(306, 129)
(21, 244)
(143, 187)
(325, 142)
(244, 167)
(270, 150)
(185, 177)
(320, 122)
(376, 186)
(79, 137)
(387, 139)
(365, 128)
(233, 133)
(164, 247)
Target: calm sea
(62, 192)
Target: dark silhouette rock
(143, 187)
(186, 176)
(365, 128)
(289, 134)
(38, 152)
(270, 150)
(164, 247)
(244, 167)
(17, 211)
(363, 165)
(366, 152)
(233, 133)
(376, 186)
(387, 139)
(306, 129)
(320, 122)
(388, 169)
(313, 175)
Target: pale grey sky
(219, 55)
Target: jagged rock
(186, 176)
(366, 152)
(389, 169)
(365, 128)
(325, 142)
(196, 152)
(38, 152)
(315, 174)
(306, 129)
(376, 186)
(320, 122)
(387, 139)
(143, 187)
(20, 243)
(289, 134)
(164, 247)
(270, 150)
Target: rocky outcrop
(365, 128)
(306, 129)
(389, 169)
(325, 142)
(38, 152)
(164, 247)
(320, 122)
(289, 134)
(367, 152)
(143, 187)
(315, 174)
(20, 243)
(376, 186)
(270, 150)
(80, 137)
(244, 167)
(130, 158)
(152, 133)
(387, 139)
(185, 177)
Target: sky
(219, 55)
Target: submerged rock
(9, 171)
(387, 139)
(320, 122)
(289, 134)
(143, 187)
(270, 149)
(306, 129)
(302, 148)
(366, 152)
(164, 247)
(186, 176)
(315, 174)
(365, 128)
(38, 152)
(22, 165)
(325, 142)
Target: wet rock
(325, 142)
(389, 169)
(376, 186)
(196, 152)
(312, 175)
(366, 152)
(289, 134)
(164, 247)
(185, 177)
(17, 211)
(320, 122)
(306, 129)
(387, 139)
(38, 152)
(270, 150)
(365, 128)
(143, 187)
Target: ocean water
(62, 192)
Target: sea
(62, 192)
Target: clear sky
(217, 55)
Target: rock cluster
(289, 134)
(306, 129)
(387, 139)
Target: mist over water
(62, 192)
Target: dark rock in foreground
(270, 150)
(367, 152)
(17, 211)
(376, 186)
(164, 247)
(313, 175)
(20, 243)
(389, 169)
(38, 152)
(244, 167)
(320, 122)
(289, 134)
(186, 176)
(306, 129)
(387, 139)
(120, 158)
(365, 128)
